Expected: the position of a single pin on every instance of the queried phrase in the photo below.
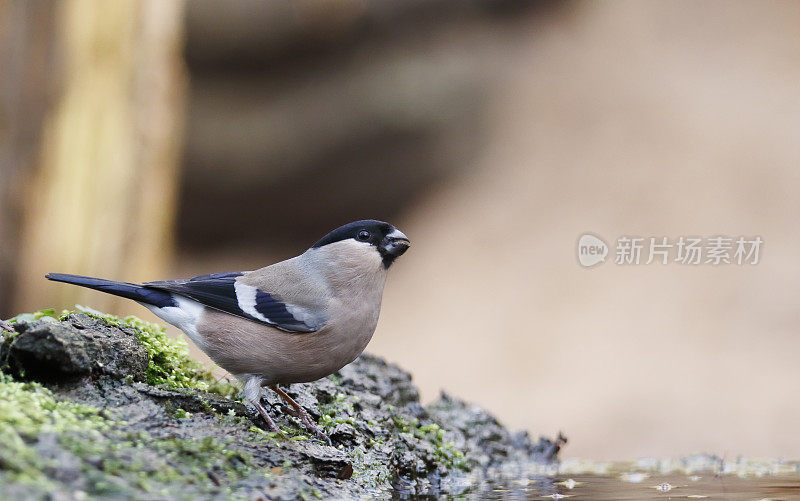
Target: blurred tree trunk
(25, 55)
(104, 173)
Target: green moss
(308, 492)
(32, 409)
(338, 411)
(285, 433)
(182, 414)
(46, 315)
(199, 456)
(122, 461)
(27, 410)
(36, 315)
(445, 452)
(370, 472)
(111, 461)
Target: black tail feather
(127, 290)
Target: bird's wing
(224, 292)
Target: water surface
(695, 477)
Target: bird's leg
(6, 326)
(270, 423)
(285, 408)
(302, 414)
(252, 392)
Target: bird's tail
(127, 290)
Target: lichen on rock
(92, 405)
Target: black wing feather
(217, 291)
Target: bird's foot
(322, 436)
(290, 411)
(270, 423)
(6, 326)
(318, 433)
(302, 414)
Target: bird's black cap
(377, 231)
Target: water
(693, 477)
(661, 487)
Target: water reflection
(655, 487)
(694, 477)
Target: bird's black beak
(393, 246)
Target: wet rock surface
(132, 440)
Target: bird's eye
(363, 235)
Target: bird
(294, 321)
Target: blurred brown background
(159, 139)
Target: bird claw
(6, 326)
(305, 419)
(300, 413)
(288, 410)
(265, 416)
(321, 436)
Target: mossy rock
(95, 406)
